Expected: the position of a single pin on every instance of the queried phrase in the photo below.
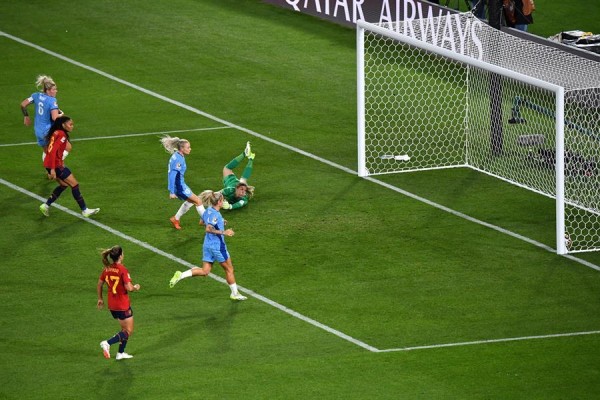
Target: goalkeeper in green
(236, 191)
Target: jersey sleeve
(173, 172)
(125, 275)
(53, 103)
(240, 203)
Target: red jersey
(56, 148)
(116, 276)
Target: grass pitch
(356, 291)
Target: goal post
(425, 103)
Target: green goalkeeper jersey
(228, 191)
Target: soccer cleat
(237, 296)
(248, 150)
(175, 223)
(45, 209)
(251, 156)
(88, 212)
(105, 348)
(122, 356)
(175, 279)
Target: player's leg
(207, 263)
(230, 278)
(230, 166)
(45, 207)
(190, 200)
(248, 170)
(195, 200)
(68, 178)
(126, 332)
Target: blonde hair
(111, 256)
(210, 198)
(44, 83)
(172, 144)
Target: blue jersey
(176, 174)
(44, 105)
(214, 218)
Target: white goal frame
(559, 93)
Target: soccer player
(117, 279)
(236, 191)
(179, 149)
(46, 110)
(58, 141)
(214, 248)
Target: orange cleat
(175, 223)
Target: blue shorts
(210, 254)
(122, 314)
(62, 173)
(184, 194)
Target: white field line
(178, 260)
(296, 150)
(477, 342)
(125, 135)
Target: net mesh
(427, 111)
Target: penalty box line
(127, 135)
(488, 341)
(296, 150)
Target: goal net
(451, 91)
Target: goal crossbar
(368, 162)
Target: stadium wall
(347, 12)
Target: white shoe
(247, 150)
(237, 296)
(105, 348)
(122, 356)
(88, 212)
(45, 209)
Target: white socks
(185, 207)
(234, 289)
(186, 274)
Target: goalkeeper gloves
(226, 205)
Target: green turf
(380, 267)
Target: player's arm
(99, 291)
(239, 204)
(126, 279)
(55, 114)
(215, 231)
(131, 287)
(24, 104)
(172, 176)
